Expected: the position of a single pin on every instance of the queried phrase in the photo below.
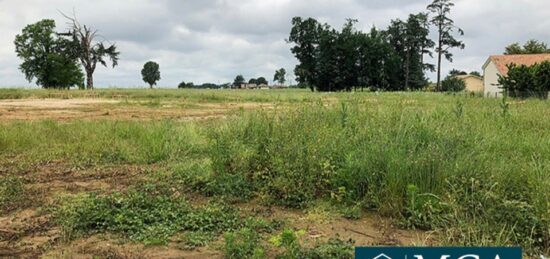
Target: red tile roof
(529, 59)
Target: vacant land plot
(133, 173)
(101, 108)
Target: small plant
(424, 210)
(192, 240)
(244, 243)
(505, 106)
(459, 109)
(353, 212)
(12, 192)
(289, 240)
(334, 248)
(261, 225)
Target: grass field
(253, 174)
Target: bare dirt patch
(53, 103)
(31, 232)
(75, 109)
(369, 230)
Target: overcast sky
(214, 40)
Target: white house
(497, 65)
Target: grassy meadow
(464, 170)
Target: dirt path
(93, 109)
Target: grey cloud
(214, 40)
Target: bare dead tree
(89, 50)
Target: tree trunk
(407, 70)
(439, 54)
(90, 80)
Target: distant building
(248, 86)
(497, 65)
(473, 83)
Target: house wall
(473, 84)
(490, 81)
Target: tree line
(392, 59)
(279, 78)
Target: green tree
(530, 47)
(476, 73)
(280, 76)
(541, 73)
(305, 37)
(513, 49)
(445, 30)
(151, 73)
(410, 41)
(418, 45)
(453, 84)
(261, 81)
(456, 72)
(46, 57)
(253, 81)
(527, 81)
(379, 64)
(239, 80)
(89, 51)
(182, 85)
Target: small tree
(239, 80)
(279, 76)
(47, 57)
(252, 81)
(151, 73)
(182, 85)
(453, 84)
(261, 81)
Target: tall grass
(92, 142)
(458, 167)
(455, 164)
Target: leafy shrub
(292, 248)
(453, 84)
(141, 216)
(427, 168)
(244, 243)
(352, 212)
(527, 81)
(261, 225)
(424, 210)
(334, 248)
(192, 240)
